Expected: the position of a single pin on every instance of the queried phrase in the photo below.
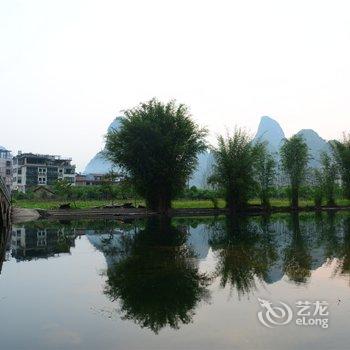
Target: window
(42, 180)
(19, 171)
(8, 172)
(8, 163)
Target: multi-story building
(30, 170)
(6, 166)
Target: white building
(31, 170)
(6, 166)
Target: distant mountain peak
(308, 131)
(115, 123)
(99, 164)
(269, 130)
(316, 144)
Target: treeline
(156, 149)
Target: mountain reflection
(245, 251)
(157, 282)
(153, 266)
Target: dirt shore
(24, 215)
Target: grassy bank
(177, 204)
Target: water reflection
(29, 243)
(4, 238)
(153, 273)
(245, 250)
(157, 281)
(297, 260)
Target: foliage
(198, 193)
(318, 196)
(294, 157)
(265, 172)
(341, 152)
(235, 157)
(157, 146)
(326, 178)
(63, 189)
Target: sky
(69, 67)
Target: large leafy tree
(294, 157)
(326, 177)
(341, 151)
(265, 173)
(157, 145)
(233, 172)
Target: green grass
(200, 203)
(177, 204)
(54, 204)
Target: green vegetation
(326, 178)
(176, 204)
(233, 171)
(294, 157)
(157, 147)
(265, 173)
(155, 151)
(341, 151)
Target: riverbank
(109, 212)
(177, 204)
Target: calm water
(184, 284)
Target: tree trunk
(230, 204)
(295, 198)
(159, 203)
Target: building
(31, 170)
(96, 179)
(89, 179)
(6, 166)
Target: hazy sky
(67, 67)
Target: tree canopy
(157, 146)
(341, 152)
(294, 157)
(235, 157)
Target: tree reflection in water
(157, 281)
(343, 263)
(297, 258)
(245, 250)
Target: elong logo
(308, 313)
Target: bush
(318, 196)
